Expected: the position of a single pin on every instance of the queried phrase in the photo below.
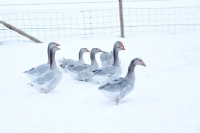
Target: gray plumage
(107, 73)
(35, 72)
(107, 58)
(120, 87)
(83, 72)
(78, 68)
(63, 63)
(50, 79)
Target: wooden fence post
(121, 18)
(20, 31)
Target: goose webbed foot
(117, 101)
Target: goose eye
(140, 60)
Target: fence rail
(47, 24)
(86, 2)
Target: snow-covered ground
(165, 98)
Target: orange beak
(88, 50)
(122, 45)
(143, 64)
(57, 44)
(99, 50)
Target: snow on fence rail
(62, 23)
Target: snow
(165, 98)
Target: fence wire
(162, 20)
(48, 24)
(86, 2)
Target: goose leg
(117, 101)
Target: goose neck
(94, 63)
(48, 54)
(130, 76)
(116, 62)
(80, 56)
(52, 61)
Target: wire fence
(162, 20)
(78, 2)
(85, 23)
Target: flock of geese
(47, 76)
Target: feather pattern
(83, 72)
(107, 58)
(108, 73)
(69, 62)
(35, 72)
(120, 87)
(50, 79)
(78, 68)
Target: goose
(109, 72)
(49, 80)
(106, 57)
(83, 72)
(120, 87)
(39, 70)
(67, 62)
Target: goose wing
(46, 77)
(78, 68)
(108, 70)
(119, 85)
(38, 70)
(66, 62)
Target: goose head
(136, 61)
(130, 75)
(95, 50)
(119, 44)
(80, 55)
(82, 50)
(52, 44)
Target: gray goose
(35, 72)
(49, 80)
(83, 72)
(120, 87)
(108, 58)
(107, 73)
(67, 62)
